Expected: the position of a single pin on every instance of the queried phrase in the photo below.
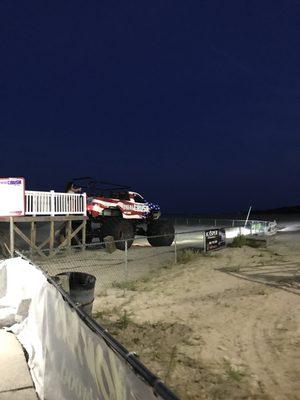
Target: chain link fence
(117, 268)
(214, 222)
(120, 268)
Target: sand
(209, 329)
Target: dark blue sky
(195, 104)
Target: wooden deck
(13, 229)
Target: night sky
(195, 104)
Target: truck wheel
(164, 231)
(119, 229)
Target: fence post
(175, 248)
(204, 242)
(240, 230)
(215, 222)
(34, 204)
(126, 261)
(52, 203)
(84, 203)
(68, 234)
(11, 237)
(233, 222)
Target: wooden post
(11, 237)
(84, 235)
(69, 232)
(51, 243)
(32, 236)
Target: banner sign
(67, 360)
(215, 239)
(12, 197)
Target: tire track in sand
(269, 347)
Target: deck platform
(10, 228)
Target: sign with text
(215, 239)
(12, 197)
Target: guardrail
(54, 203)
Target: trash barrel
(80, 286)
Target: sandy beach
(225, 325)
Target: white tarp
(19, 282)
(68, 361)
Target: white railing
(53, 203)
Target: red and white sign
(12, 197)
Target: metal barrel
(80, 286)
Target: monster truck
(114, 210)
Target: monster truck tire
(164, 231)
(119, 229)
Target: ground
(209, 329)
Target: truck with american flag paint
(114, 210)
